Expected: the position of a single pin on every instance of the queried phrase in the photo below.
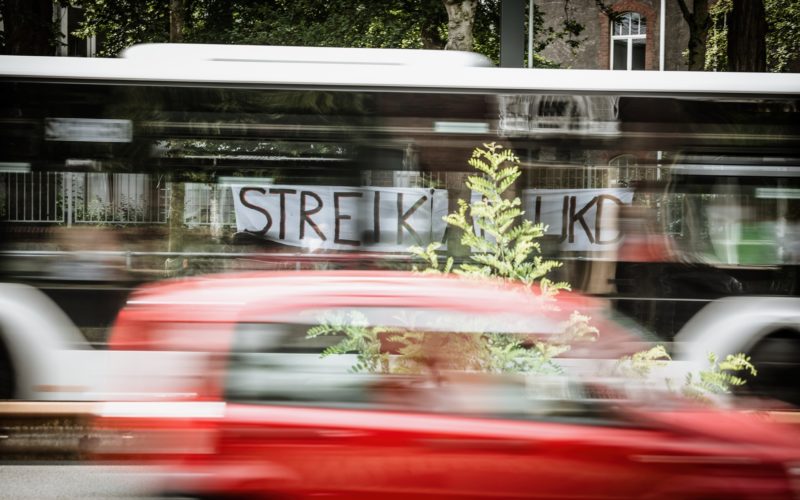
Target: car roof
(262, 290)
(256, 297)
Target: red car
(426, 408)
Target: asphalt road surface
(76, 481)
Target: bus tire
(777, 358)
(8, 379)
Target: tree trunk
(698, 35)
(177, 210)
(699, 23)
(460, 21)
(747, 36)
(177, 197)
(177, 20)
(29, 28)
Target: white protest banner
(341, 218)
(585, 220)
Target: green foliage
(30, 28)
(503, 242)
(717, 41)
(511, 354)
(719, 377)
(504, 246)
(642, 363)
(486, 30)
(431, 259)
(335, 23)
(359, 337)
(122, 23)
(783, 35)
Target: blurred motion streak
(312, 363)
(284, 409)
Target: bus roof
(300, 55)
(145, 66)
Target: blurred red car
(273, 418)
(202, 313)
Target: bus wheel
(777, 359)
(8, 382)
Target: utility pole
(531, 18)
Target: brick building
(634, 42)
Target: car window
(276, 362)
(303, 363)
(548, 321)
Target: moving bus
(661, 190)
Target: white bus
(662, 190)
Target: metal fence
(123, 198)
(108, 198)
(102, 198)
(32, 197)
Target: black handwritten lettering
(402, 218)
(564, 219)
(242, 193)
(537, 212)
(305, 215)
(598, 220)
(282, 192)
(578, 217)
(340, 217)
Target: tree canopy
(778, 35)
(28, 27)
(782, 35)
(430, 24)
(342, 23)
(423, 24)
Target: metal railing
(108, 198)
(32, 197)
(102, 198)
(130, 259)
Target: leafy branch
(719, 377)
(359, 337)
(503, 242)
(504, 245)
(641, 364)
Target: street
(65, 481)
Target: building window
(628, 40)
(70, 19)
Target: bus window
(740, 221)
(250, 166)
